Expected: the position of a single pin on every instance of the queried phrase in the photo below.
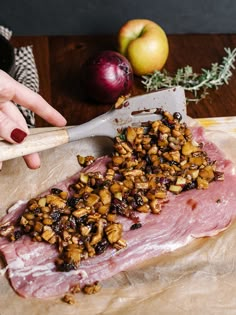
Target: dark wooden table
(59, 58)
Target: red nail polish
(18, 135)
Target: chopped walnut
(6, 229)
(85, 160)
(69, 299)
(75, 289)
(92, 289)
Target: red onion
(106, 76)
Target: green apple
(144, 43)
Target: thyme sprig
(196, 84)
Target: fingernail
(18, 135)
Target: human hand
(13, 127)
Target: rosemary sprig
(196, 84)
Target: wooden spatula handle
(33, 143)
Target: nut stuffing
(148, 163)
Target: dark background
(84, 17)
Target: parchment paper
(197, 279)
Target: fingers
(32, 160)
(13, 127)
(11, 110)
(13, 90)
(38, 105)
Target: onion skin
(106, 76)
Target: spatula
(133, 112)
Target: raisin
(72, 201)
(168, 123)
(99, 183)
(148, 159)
(55, 215)
(85, 196)
(66, 267)
(118, 206)
(173, 163)
(72, 221)
(122, 136)
(18, 234)
(101, 246)
(153, 139)
(156, 170)
(57, 228)
(56, 191)
(82, 220)
(106, 183)
(36, 211)
(162, 159)
(164, 181)
(148, 170)
(160, 111)
(191, 185)
(138, 200)
(177, 116)
(136, 226)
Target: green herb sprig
(197, 84)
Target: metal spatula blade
(133, 112)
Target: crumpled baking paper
(197, 279)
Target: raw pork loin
(192, 214)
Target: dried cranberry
(133, 217)
(218, 175)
